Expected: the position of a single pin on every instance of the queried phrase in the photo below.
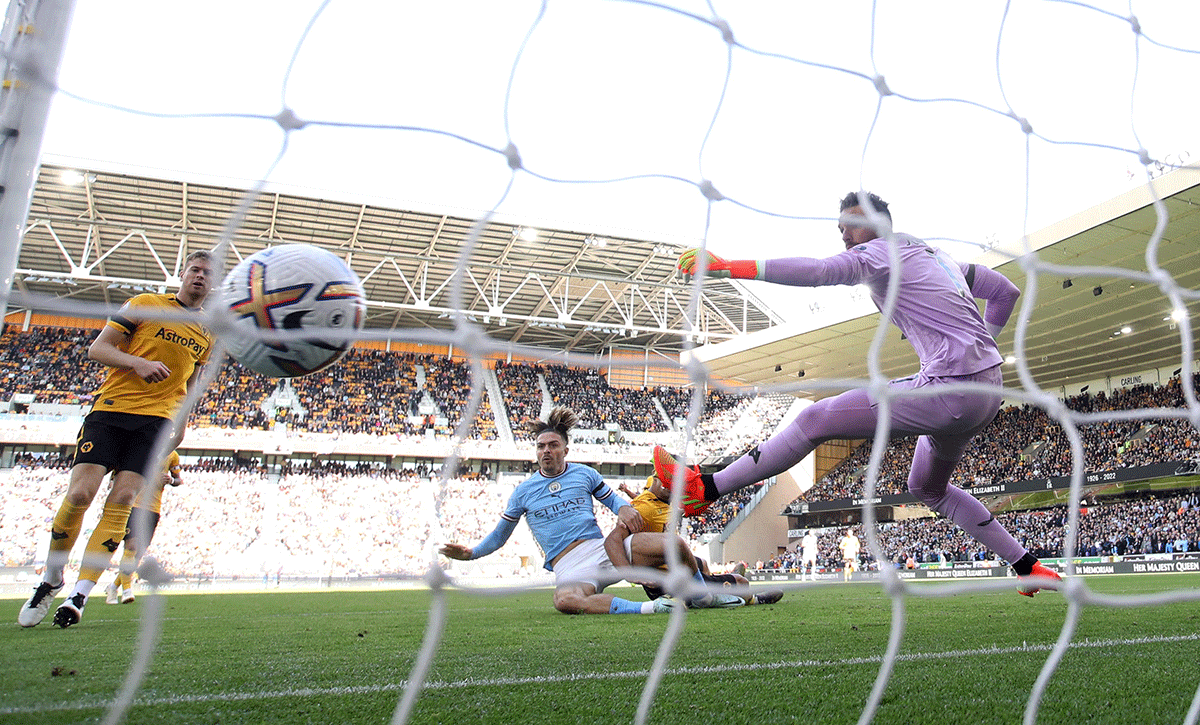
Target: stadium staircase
(283, 396)
(547, 398)
(663, 412)
(503, 428)
(426, 405)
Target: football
(292, 287)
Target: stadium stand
(49, 362)
(232, 520)
(588, 393)
(231, 510)
(1143, 525)
(372, 392)
(521, 388)
(234, 399)
(678, 401)
(1024, 443)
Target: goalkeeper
(935, 309)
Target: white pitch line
(632, 674)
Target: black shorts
(118, 441)
(725, 580)
(151, 523)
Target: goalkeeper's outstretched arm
(690, 261)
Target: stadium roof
(1074, 333)
(102, 236)
(98, 235)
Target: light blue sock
(624, 606)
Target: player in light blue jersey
(557, 503)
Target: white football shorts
(587, 564)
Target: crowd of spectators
(369, 392)
(717, 516)
(597, 403)
(1147, 525)
(735, 429)
(1024, 442)
(678, 401)
(231, 518)
(234, 399)
(522, 394)
(378, 393)
(448, 382)
(234, 519)
(49, 362)
(375, 392)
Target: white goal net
(735, 126)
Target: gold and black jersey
(180, 345)
(655, 512)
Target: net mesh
(1016, 111)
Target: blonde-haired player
(152, 364)
(143, 517)
(850, 546)
(654, 504)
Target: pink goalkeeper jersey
(935, 308)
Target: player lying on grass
(654, 504)
(557, 503)
(935, 310)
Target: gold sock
(64, 531)
(126, 568)
(105, 539)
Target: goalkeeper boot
(665, 465)
(37, 606)
(70, 611)
(1027, 588)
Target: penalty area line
(592, 676)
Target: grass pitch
(342, 657)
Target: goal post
(32, 41)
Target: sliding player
(936, 311)
(653, 503)
(557, 503)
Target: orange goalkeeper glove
(689, 263)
